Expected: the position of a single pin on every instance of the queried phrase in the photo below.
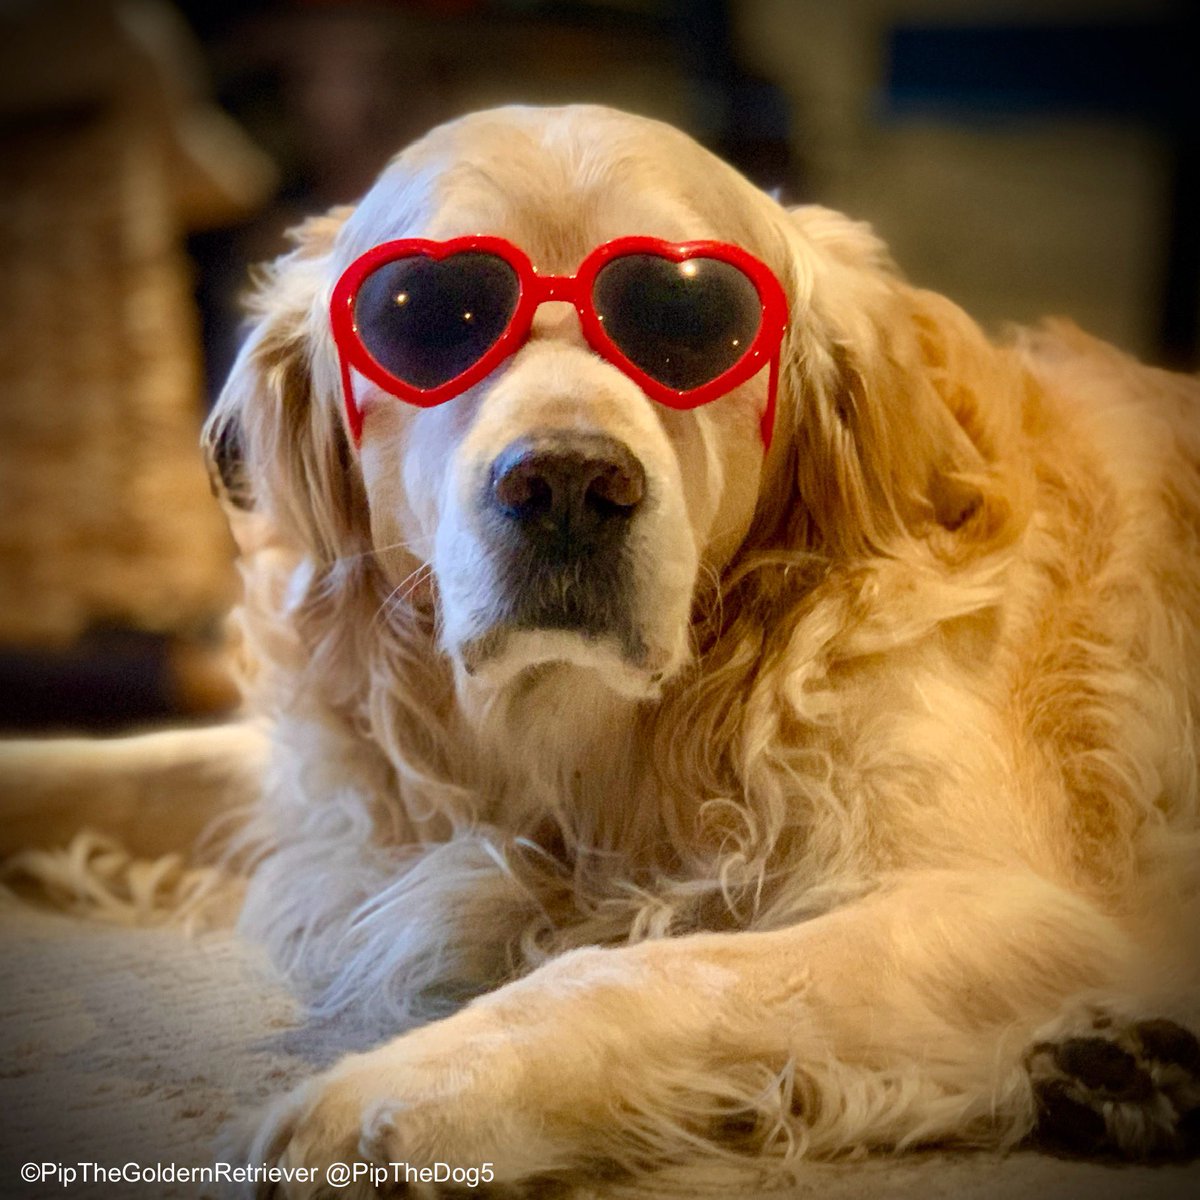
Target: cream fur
(908, 773)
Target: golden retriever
(831, 795)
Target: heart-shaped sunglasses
(687, 321)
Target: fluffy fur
(904, 784)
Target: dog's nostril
(572, 482)
(617, 485)
(523, 487)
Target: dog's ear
(271, 446)
(906, 418)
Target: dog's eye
(426, 321)
(684, 323)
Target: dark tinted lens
(683, 323)
(428, 320)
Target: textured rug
(136, 1045)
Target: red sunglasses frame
(534, 290)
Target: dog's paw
(1119, 1087)
(323, 1139)
(405, 1120)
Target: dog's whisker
(403, 591)
(411, 546)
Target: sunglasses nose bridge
(553, 287)
(555, 311)
(564, 319)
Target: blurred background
(1024, 158)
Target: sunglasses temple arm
(353, 415)
(767, 426)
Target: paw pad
(1131, 1089)
(1104, 1067)
(1165, 1042)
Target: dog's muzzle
(557, 512)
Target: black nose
(568, 487)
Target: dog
(788, 756)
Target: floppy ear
(907, 418)
(271, 445)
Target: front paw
(398, 1122)
(323, 1139)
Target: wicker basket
(106, 517)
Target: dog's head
(553, 512)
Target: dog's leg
(904, 1016)
(154, 793)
